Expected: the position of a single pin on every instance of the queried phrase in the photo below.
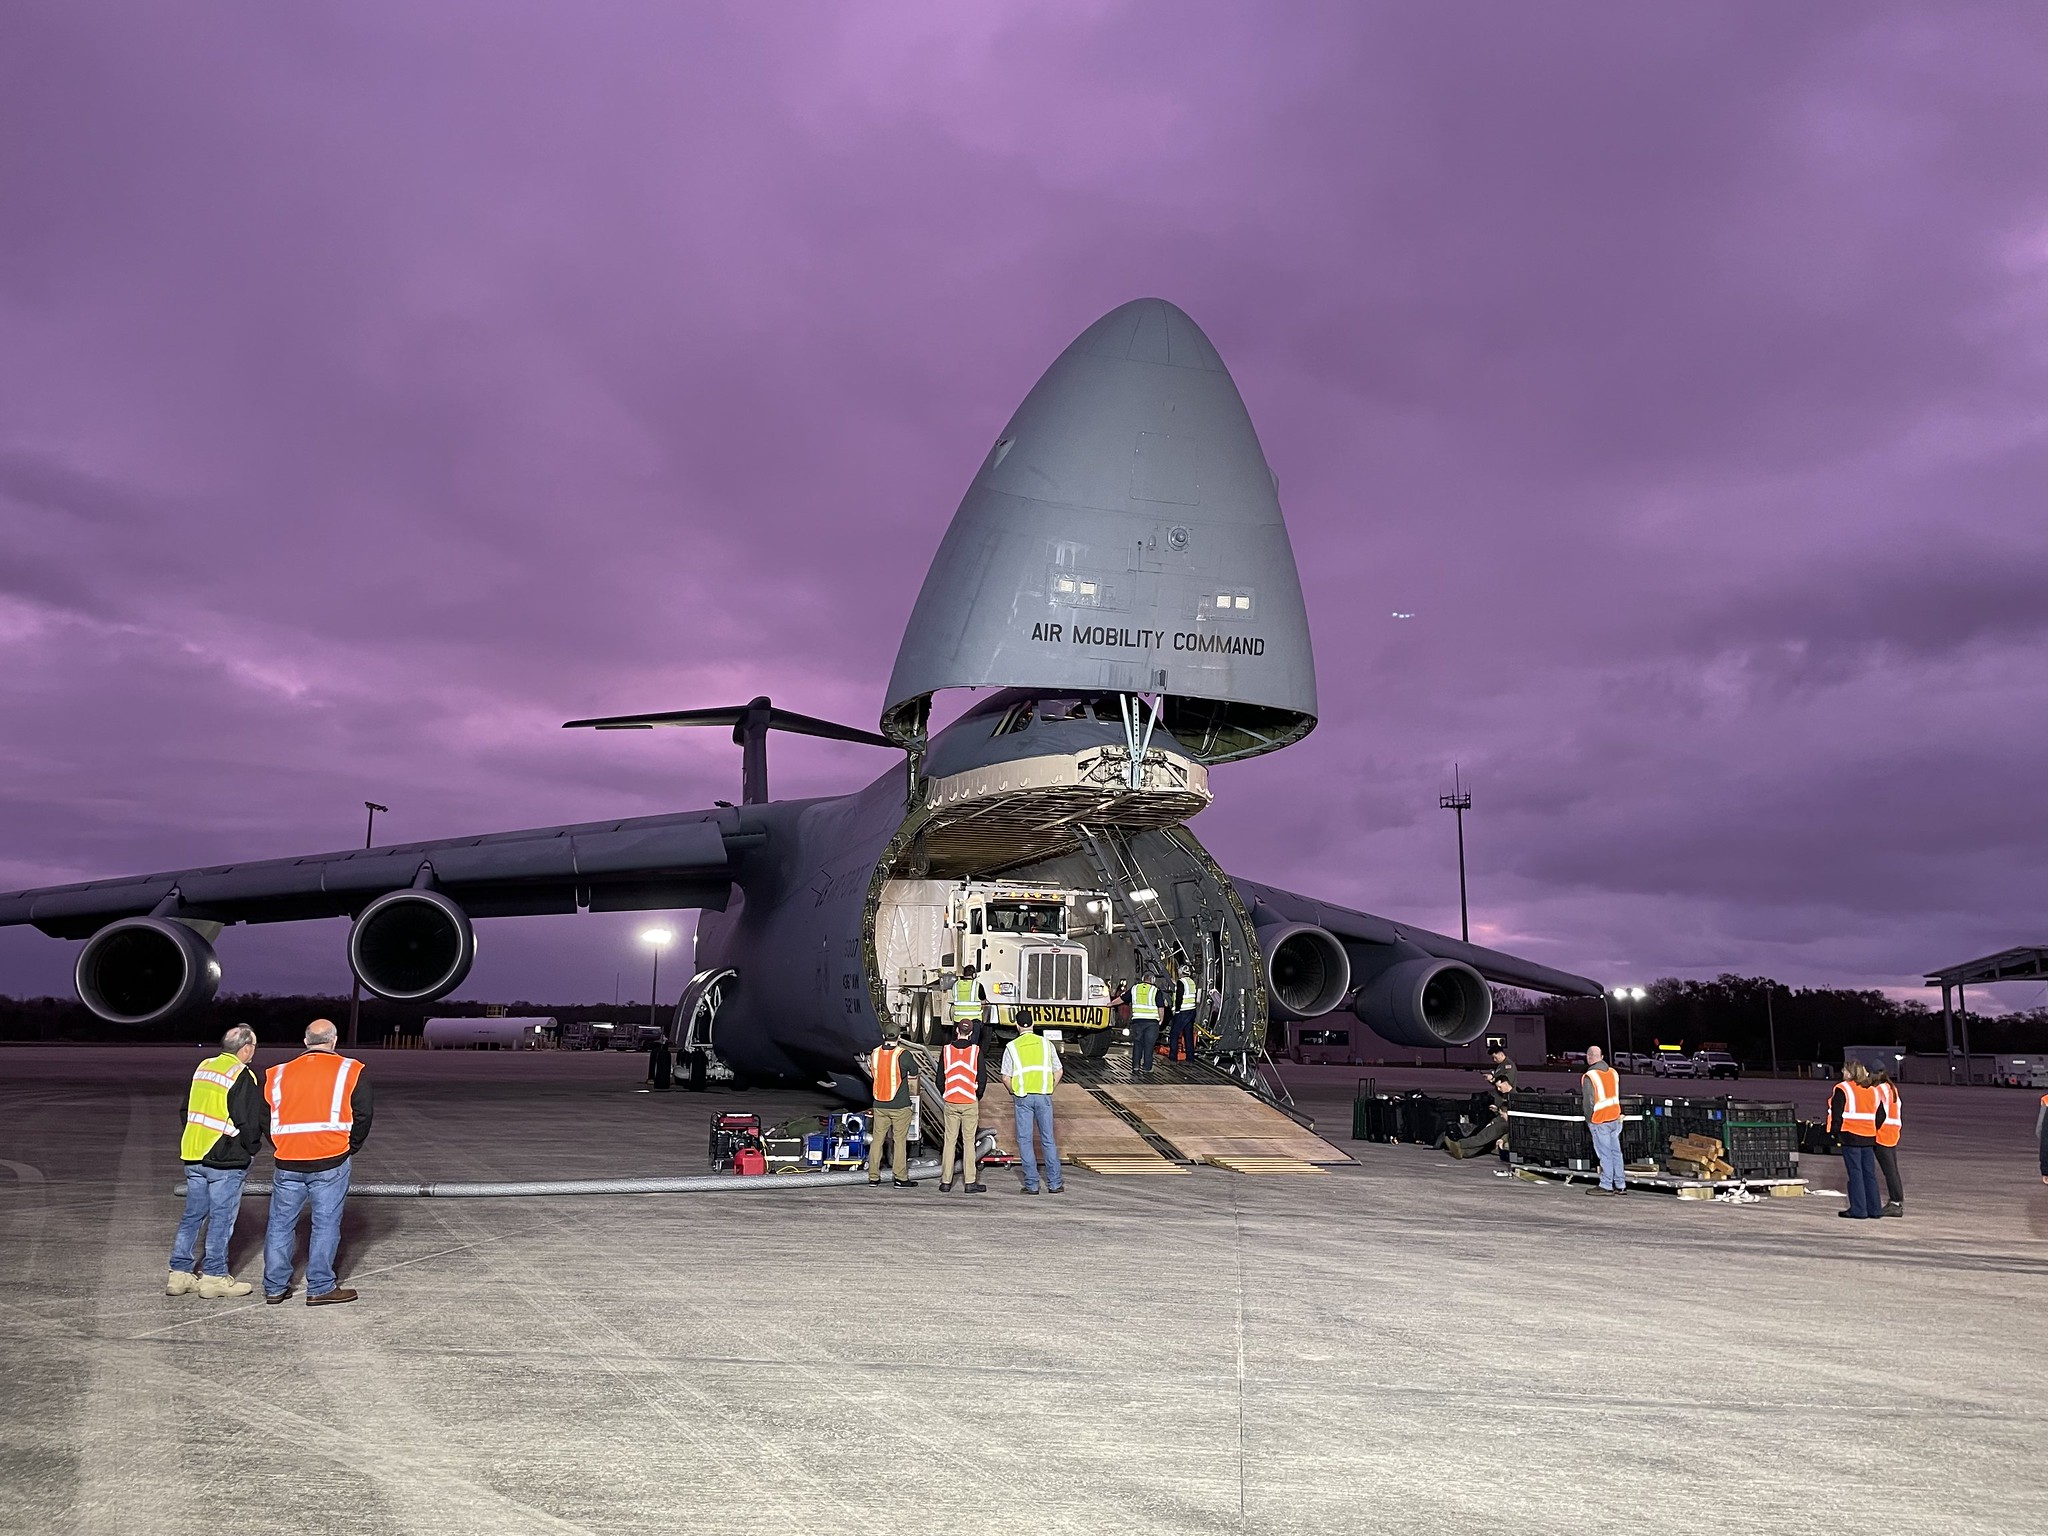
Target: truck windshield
(1027, 917)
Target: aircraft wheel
(694, 1075)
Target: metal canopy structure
(2026, 962)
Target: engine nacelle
(146, 970)
(412, 946)
(1426, 1002)
(1307, 970)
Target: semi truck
(1042, 946)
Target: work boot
(1896, 1208)
(904, 1183)
(331, 1298)
(945, 1186)
(182, 1282)
(213, 1287)
(275, 1298)
(977, 1188)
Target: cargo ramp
(1186, 1113)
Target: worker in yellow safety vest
(960, 1092)
(895, 1083)
(221, 1130)
(1031, 1071)
(1891, 1122)
(970, 999)
(1144, 1003)
(319, 1119)
(1180, 1037)
(1600, 1097)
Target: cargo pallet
(1678, 1184)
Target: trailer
(499, 1034)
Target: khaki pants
(889, 1124)
(963, 1122)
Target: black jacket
(358, 1133)
(251, 1116)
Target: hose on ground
(710, 1183)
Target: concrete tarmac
(1414, 1345)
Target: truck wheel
(694, 1078)
(1095, 1044)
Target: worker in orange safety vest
(1600, 1097)
(960, 1092)
(1890, 1122)
(1854, 1114)
(895, 1084)
(319, 1120)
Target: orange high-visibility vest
(887, 1072)
(963, 1074)
(1888, 1133)
(1859, 1109)
(310, 1112)
(1606, 1095)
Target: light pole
(1459, 800)
(1631, 996)
(656, 939)
(355, 982)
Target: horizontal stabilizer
(737, 716)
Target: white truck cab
(1022, 941)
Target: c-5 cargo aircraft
(1120, 574)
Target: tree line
(1741, 1013)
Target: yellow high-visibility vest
(206, 1106)
(1187, 994)
(966, 1002)
(1144, 1001)
(1035, 1059)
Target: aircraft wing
(643, 864)
(1362, 928)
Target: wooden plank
(1150, 1163)
(1263, 1165)
(1207, 1122)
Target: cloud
(386, 384)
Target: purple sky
(381, 385)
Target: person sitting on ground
(1500, 1088)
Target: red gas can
(749, 1160)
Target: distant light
(1636, 993)
(1147, 894)
(657, 936)
(1404, 615)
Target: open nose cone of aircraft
(1123, 533)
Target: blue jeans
(290, 1193)
(1181, 1036)
(213, 1197)
(1034, 1112)
(1860, 1164)
(1607, 1147)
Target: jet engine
(146, 970)
(412, 946)
(1426, 1002)
(1306, 969)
